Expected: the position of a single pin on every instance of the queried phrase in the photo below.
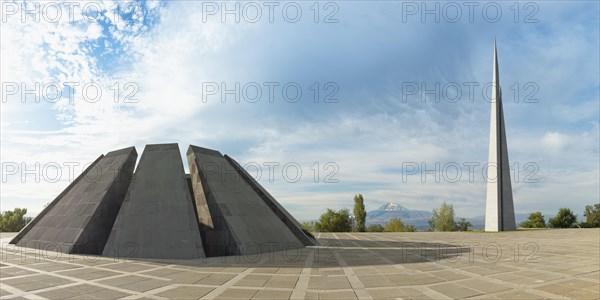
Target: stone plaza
(532, 264)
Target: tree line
(443, 219)
(565, 218)
(13, 220)
(342, 221)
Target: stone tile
(556, 289)
(7, 272)
(548, 276)
(84, 288)
(328, 283)
(364, 270)
(454, 290)
(518, 295)
(266, 294)
(236, 270)
(524, 281)
(55, 266)
(186, 277)
(387, 293)
(289, 271)
(58, 294)
(448, 275)
(481, 271)
(412, 293)
(503, 277)
(413, 279)
(482, 285)
(89, 274)
(161, 272)
(328, 271)
(145, 285)
(282, 282)
(185, 292)
(69, 292)
(370, 281)
(216, 279)
(338, 295)
(584, 294)
(594, 287)
(527, 273)
(128, 267)
(234, 293)
(253, 280)
(576, 283)
(593, 276)
(4, 293)
(101, 294)
(122, 280)
(35, 282)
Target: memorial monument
(499, 210)
(161, 212)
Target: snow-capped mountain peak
(390, 210)
(392, 207)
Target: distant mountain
(417, 218)
(420, 218)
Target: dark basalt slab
(80, 218)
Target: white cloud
(555, 142)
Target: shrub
(564, 219)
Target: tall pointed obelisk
(499, 211)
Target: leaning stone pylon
(499, 211)
(157, 218)
(80, 218)
(160, 212)
(243, 218)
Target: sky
(318, 100)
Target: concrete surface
(277, 208)
(80, 218)
(161, 212)
(549, 264)
(216, 234)
(242, 223)
(157, 218)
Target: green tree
(13, 220)
(592, 215)
(443, 218)
(564, 219)
(535, 220)
(375, 228)
(394, 225)
(359, 212)
(308, 226)
(410, 228)
(335, 221)
(463, 225)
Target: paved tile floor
(552, 264)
